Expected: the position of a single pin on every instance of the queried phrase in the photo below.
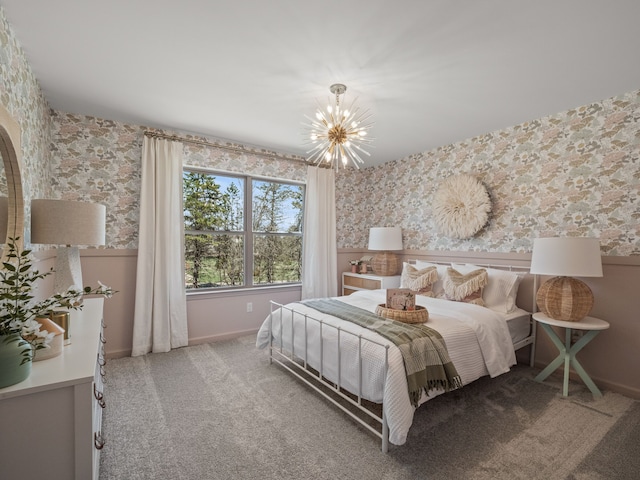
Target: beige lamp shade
(64, 222)
(385, 239)
(564, 297)
(70, 223)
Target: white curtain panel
(160, 321)
(320, 254)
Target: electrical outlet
(249, 307)
(576, 335)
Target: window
(241, 231)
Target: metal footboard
(297, 363)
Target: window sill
(241, 291)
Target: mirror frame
(10, 149)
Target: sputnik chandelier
(338, 134)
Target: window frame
(247, 233)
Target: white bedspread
(477, 339)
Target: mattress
(519, 323)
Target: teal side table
(568, 351)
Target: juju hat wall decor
(461, 206)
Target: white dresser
(51, 422)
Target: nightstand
(568, 352)
(352, 282)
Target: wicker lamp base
(565, 298)
(385, 264)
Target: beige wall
(211, 317)
(611, 358)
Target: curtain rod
(232, 148)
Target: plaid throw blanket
(424, 352)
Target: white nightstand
(352, 282)
(567, 351)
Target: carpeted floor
(220, 411)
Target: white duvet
(477, 339)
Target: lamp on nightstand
(564, 297)
(385, 239)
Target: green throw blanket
(425, 355)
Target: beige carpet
(220, 411)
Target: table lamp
(385, 239)
(68, 223)
(564, 297)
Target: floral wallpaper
(286, 168)
(576, 173)
(21, 95)
(100, 161)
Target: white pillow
(501, 292)
(438, 286)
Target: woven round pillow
(419, 315)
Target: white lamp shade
(385, 238)
(567, 257)
(63, 222)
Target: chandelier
(338, 134)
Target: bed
(351, 365)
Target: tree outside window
(226, 246)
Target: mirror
(10, 152)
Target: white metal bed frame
(296, 362)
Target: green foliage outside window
(217, 231)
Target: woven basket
(419, 315)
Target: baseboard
(616, 387)
(192, 341)
(222, 336)
(117, 354)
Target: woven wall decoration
(461, 206)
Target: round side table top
(587, 323)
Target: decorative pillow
(501, 291)
(465, 288)
(438, 286)
(419, 281)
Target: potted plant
(19, 330)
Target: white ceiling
(432, 72)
